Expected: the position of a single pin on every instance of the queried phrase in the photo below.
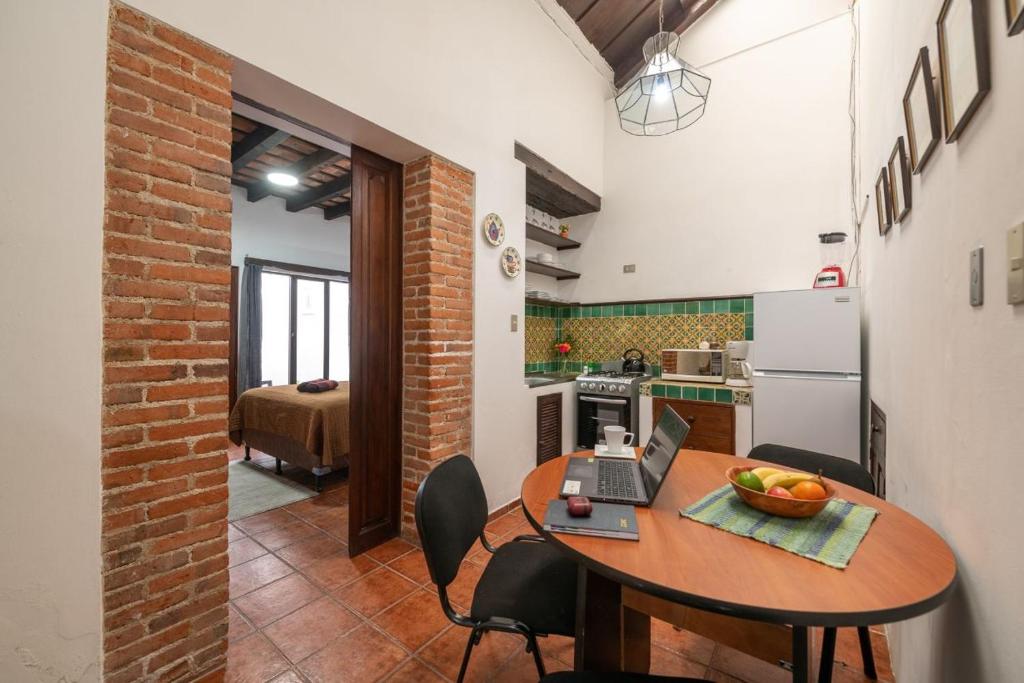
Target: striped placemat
(830, 537)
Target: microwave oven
(695, 365)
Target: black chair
(586, 677)
(528, 587)
(851, 474)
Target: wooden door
(712, 425)
(375, 459)
(549, 427)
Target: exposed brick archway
(438, 321)
(166, 259)
(166, 277)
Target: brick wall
(166, 278)
(437, 302)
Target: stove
(611, 382)
(607, 397)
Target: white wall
(465, 80)
(949, 376)
(52, 123)
(733, 204)
(265, 230)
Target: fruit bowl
(774, 505)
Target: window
(305, 327)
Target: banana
(786, 479)
(765, 472)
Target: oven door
(594, 413)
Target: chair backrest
(842, 470)
(451, 511)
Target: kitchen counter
(533, 380)
(739, 397)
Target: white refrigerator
(807, 377)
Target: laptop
(613, 480)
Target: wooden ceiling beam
(257, 143)
(338, 210)
(299, 169)
(676, 20)
(317, 194)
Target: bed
(310, 431)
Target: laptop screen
(661, 450)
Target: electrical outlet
(977, 276)
(629, 268)
(515, 323)
(1015, 265)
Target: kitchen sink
(540, 379)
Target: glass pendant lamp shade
(666, 94)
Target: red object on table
(578, 506)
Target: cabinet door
(549, 427)
(712, 426)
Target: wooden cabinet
(712, 425)
(549, 427)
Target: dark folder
(607, 520)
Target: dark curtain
(250, 328)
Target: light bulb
(284, 179)
(662, 89)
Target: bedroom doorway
(316, 276)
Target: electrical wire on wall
(854, 268)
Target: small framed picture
(921, 112)
(883, 203)
(899, 181)
(963, 62)
(1014, 16)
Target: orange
(809, 490)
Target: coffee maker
(740, 369)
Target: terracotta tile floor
(303, 611)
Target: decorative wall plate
(494, 229)
(511, 262)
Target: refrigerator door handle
(827, 376)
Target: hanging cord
(852, 112)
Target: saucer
(627, 452)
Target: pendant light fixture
(666, 94)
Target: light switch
(977, 276)
(1015, 265)
(515, 323)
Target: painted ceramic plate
(494, 229)
(511, 261)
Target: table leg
(801, 654)
(609, 636)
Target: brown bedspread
(317, 421)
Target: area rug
(253, 489)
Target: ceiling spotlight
(284, 179)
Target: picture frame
(963, 62)
(883, 203)
(1014, 16)
(899, 181)
(921, 112)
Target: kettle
(633, 361)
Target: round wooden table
(901, 569)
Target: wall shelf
(552, 239)
(550, 271)
(552, 190)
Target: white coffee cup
(615, 438)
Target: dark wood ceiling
(618, 28)
(325, 178)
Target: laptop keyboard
(615, 479)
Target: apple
(779, 492)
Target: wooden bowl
(773, 505)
